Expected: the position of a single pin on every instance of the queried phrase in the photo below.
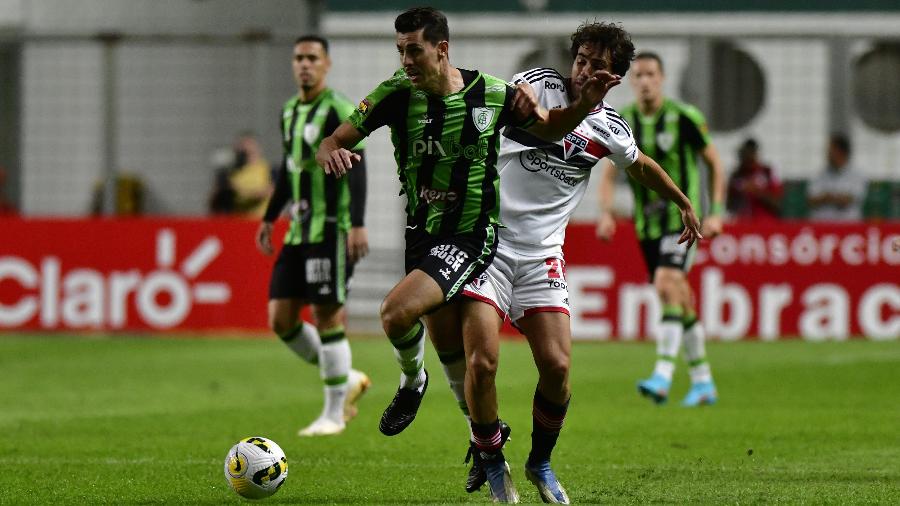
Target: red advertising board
(132, 274)
(768, 281)
(816, 281)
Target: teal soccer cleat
(700, 394)
(545, 480)
(656, 387)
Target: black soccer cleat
(477, 477)
(402, 410)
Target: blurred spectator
(244, 185)
(6, 205)
(129, 197)
(753, 190)
(837, 195)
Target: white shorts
(519, 286)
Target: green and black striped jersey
(317, 200)
(445, 148)
(672, 137)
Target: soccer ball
(256, 467)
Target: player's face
(420, 58)
(310, 64)
(590, 59)
(646, 79)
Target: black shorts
(316, 273)
(666, 252)
(452, 261)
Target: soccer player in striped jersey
(326, 237)
(445, 126)
(541, 183)
(673, 133)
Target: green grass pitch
(149, 420)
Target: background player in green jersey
(326, 237)
(445, 126)
(672, 133)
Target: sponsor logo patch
(364, 106)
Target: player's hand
(691, 233)
(338, 161)
(595, 87)
(525, 103)
(712, 226)
(264, 238)
(357, 243)
(606, 226)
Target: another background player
(325, 239)
(673, 134)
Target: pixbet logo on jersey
(88, 298)
(450, 148)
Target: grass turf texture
(145, 420)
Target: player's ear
(443, 48)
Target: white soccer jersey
(541, 182)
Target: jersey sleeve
(380, 107)
(619, 138)
(341, 111)
(695, 130)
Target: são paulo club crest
(574, 143)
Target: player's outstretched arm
(647, 172)
(334, 153)
(712, 223)
(559, 122)
(606, 221)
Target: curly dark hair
(432, 20)
(610, 36)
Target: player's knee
(280, 326)
(555, 371)
(395, 318)
(483, 367)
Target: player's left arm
(712, 222)
(552, 125)
(646, 171)
(698, 136)
(358, 237)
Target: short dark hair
(610, 36)
(841, 141)
(432, 20)
(313, 38)
(649, 55)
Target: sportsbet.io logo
(87, 298)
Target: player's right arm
(279, 198)
(647, 172)
(606, 190)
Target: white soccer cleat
(322, 427)
(357, 384)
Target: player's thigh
(328, 316)
(550, 337)
(283, 314)
(669, 283)
(481, 332)
(445, 327)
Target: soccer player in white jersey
(540, 185)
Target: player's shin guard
(304, 341)
(668, 341)
(334, 368)
(454, 364)
(695, 350)
(547, 421)
(409, 349)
